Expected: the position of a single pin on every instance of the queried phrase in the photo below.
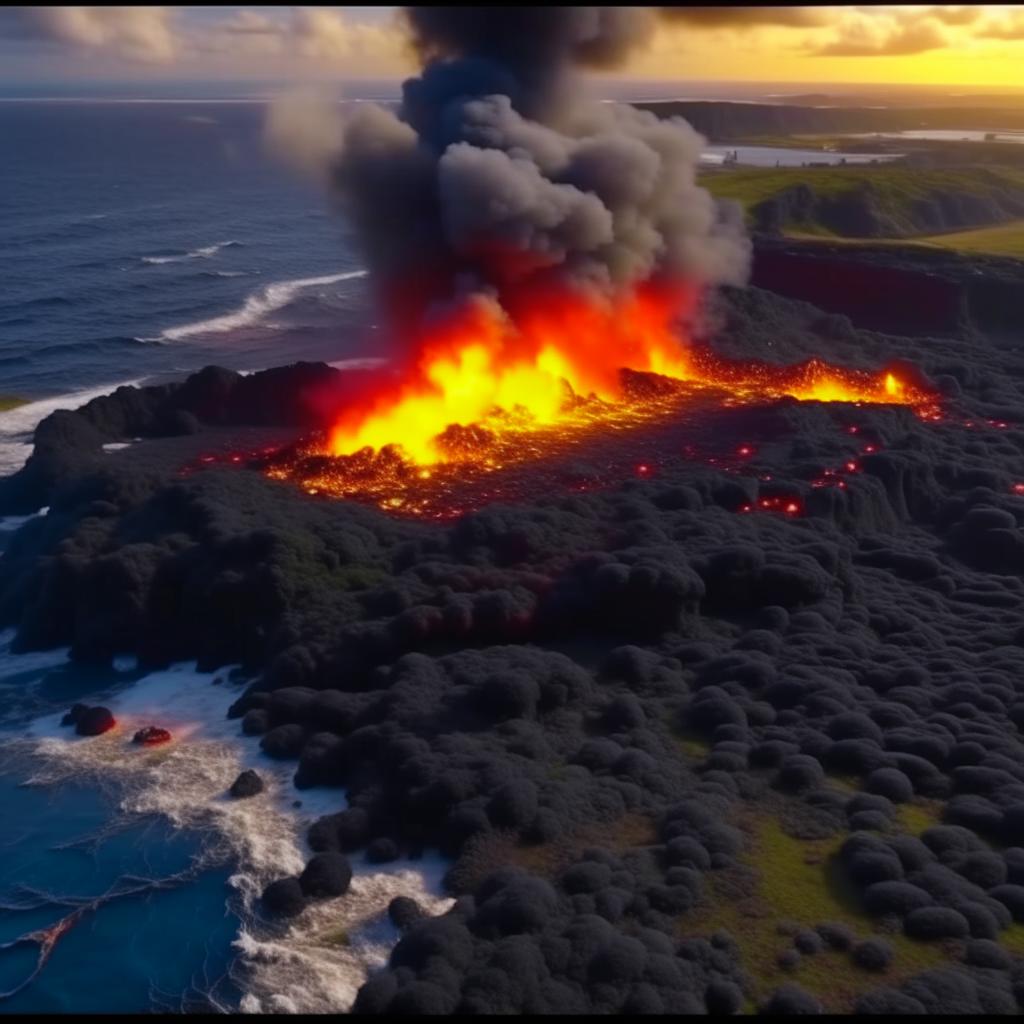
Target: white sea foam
(8, 524)
(257, 305)
(316, 962)
(203, 253)
(19, 664)
(17, 425)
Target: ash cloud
(497, 170)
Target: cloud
(747, 17)
(1010, 25)
(956, 15)
(164, 35)
(309, 34)
(897, 35)
(142, 34)
(322, 34)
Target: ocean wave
(316, 962)
(17, 424)
(193, 254)
(256, 306)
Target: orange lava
(495, 387)
(481, 364)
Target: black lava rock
(247, 784)
(284, 897)
(326, 875)
(94, 721)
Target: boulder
(94, 722)
(403, 911)
(326, 875)
(247, 784)
(71, 718)
(284, 897)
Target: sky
(966, 47)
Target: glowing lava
(492, 388)
(530, 366)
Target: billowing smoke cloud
(496, 170)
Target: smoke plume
(496, 171)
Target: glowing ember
(482, 369)
(492, 388)
(789, 506)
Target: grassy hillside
(1003, 240)
(874, 201)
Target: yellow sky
(958, 46)
(934, 45)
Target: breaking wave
(193, 254)
(257, 305)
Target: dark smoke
(497, 170)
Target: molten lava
(531, 366)
(500, 388)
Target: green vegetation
(874, 201)
(825, 143)
(340, 937)
(919, 815)
(801, 882)
(896, 182)
(693, 745)
(8, 402)
(1001, 240)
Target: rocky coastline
(595, 703)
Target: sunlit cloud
(142, 34)
(1007, 24)
(897, 35)
(966, 44)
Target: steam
(497, 170)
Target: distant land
(627, 90)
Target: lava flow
(495, 388)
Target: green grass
(802, 882)
(896, 188)
(693, 745)
(1001, 240)
(919, 815)
(8, 402)
(824, 143)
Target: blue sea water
(154, 238)
(130, 880)
(142, 241)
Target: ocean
(140, 242)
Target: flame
(479, 362)
(530, 362)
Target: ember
(496, 387)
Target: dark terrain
(597, 703)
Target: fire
(496, 401)
(531, 363)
